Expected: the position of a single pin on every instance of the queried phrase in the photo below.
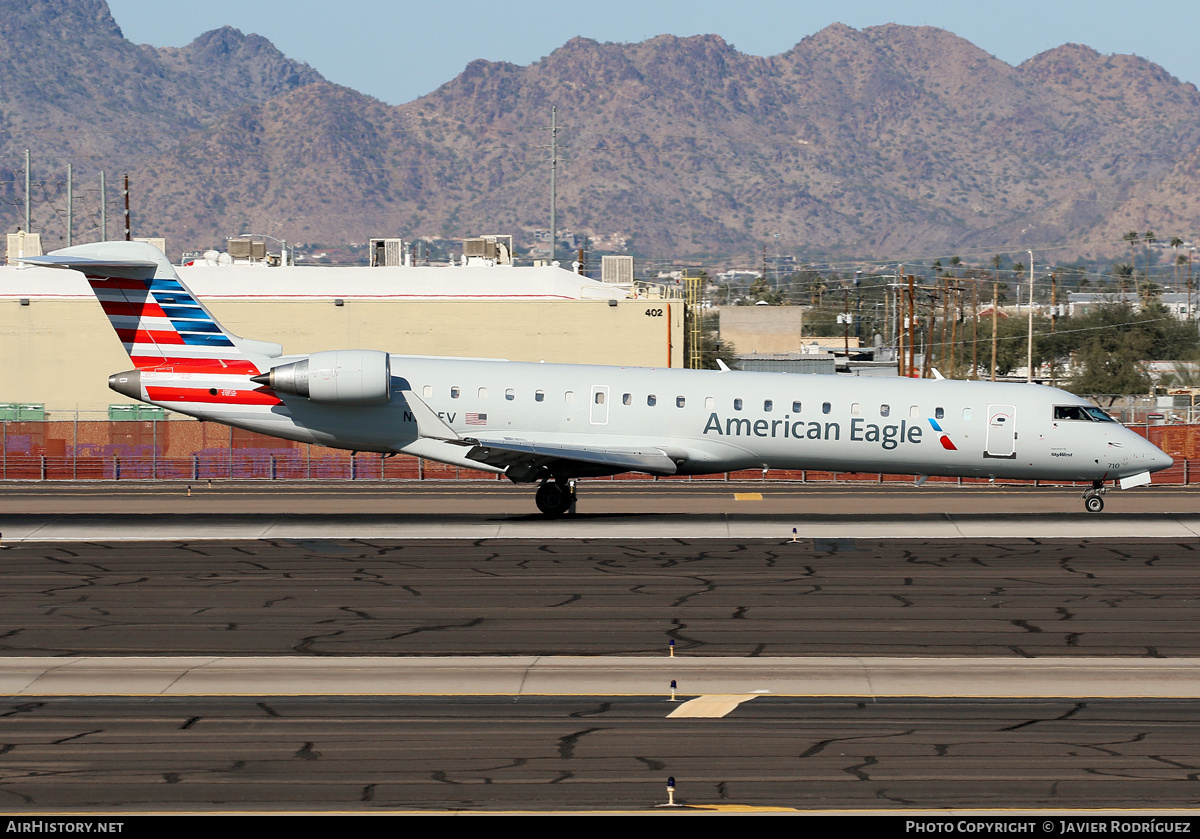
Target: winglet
(429, 424)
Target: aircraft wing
(520, 456)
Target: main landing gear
(1093, 500)
(556, 497)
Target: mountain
(894, 142)
(74, 90)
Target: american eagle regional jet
(553, 423)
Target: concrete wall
(61, 352)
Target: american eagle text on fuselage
(887, 436)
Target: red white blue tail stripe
(161, 324)
(182, 353)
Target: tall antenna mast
(553, 183)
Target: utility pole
(912, 316)
(1054, 316)
(103, 210)
(846, 322)
(1054, 300)
(128, 229)
(1029, 361)
(974, 327)
(27, 191)
(929, 334)
(995, 306)
(954, 329)
(553, 183)
(70, 207)
(944, 290)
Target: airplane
(552, 424)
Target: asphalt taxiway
(381, 649)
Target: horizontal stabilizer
(125, 269)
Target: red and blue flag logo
(946, 442)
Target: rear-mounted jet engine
(344, 377)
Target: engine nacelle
(343, 377)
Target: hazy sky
(398, 50)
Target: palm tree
(1149, 238)
(1131, 237)
(1175, 243)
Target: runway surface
(898, 650)
(607, 510)
(736, 679)
(593, 754)
(1016, 598)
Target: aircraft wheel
(554, 498)
(1093, 503)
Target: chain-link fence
(147, 450)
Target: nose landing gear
(555, 497)
(1093, 500)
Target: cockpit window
(1070, 412)
(1085, 413)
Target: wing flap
(508, 451)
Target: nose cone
(1155, 458)
(1161, 460)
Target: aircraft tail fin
(158, 319)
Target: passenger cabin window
(427, 391)
(483, 393)
(939, 413)
(569, 397)
(796, 407)
(539, 396)
(914, 412)
(737, 404)
(709, 402)
(599, 397)
(885, 410)
(825, 407)
(652, 400)
(680, 401)
(768, 405)
(455, 392)
(856, 408)
(627, 399)
(966, 413)
(510, 394)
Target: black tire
(1093, 503)
(553, 498)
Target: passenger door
(1002, 432)
(598, 411)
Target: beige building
(762, 329)
(773, 330)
